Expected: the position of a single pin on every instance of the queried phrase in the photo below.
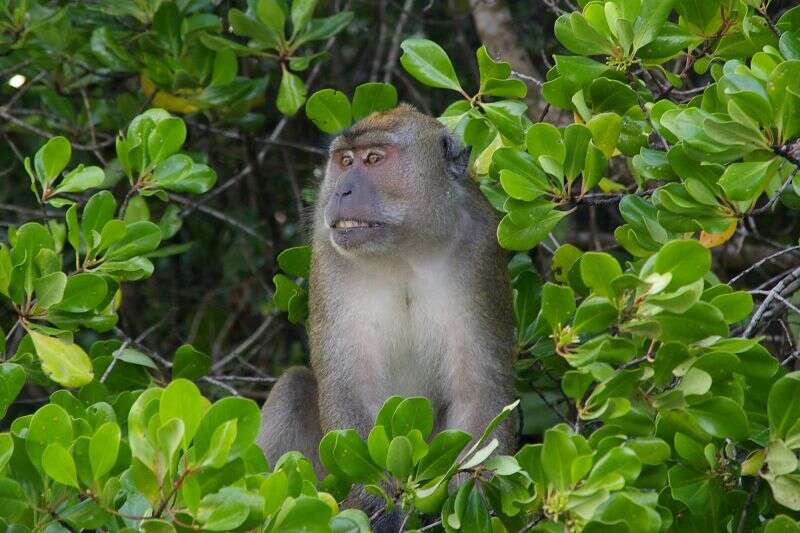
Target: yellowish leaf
(165, 100)
(65, 363)
(712, 240)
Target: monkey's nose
(348, 192)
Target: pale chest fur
(406, 328)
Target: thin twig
(394, 48)
(526, 77)
(776, 290)
(46, 135)
(127, 341)
(90, 121)
(772, 201)
(250, 379)
(551, 406)
(245, 344)
(221, 216)
(750, 497)
(760, 262)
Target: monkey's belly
(406, 331)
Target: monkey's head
(394, 181)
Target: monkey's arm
(479, 370)
(477, 396)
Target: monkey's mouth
(354, 234)
(346, 224)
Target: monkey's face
(388, 186)
(365, 197)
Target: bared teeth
(347, 224)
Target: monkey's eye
(346, 160)
(373, 157)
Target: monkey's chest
(407, 336)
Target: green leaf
(329, 110)
(558, 454)
(690, 487)
(378, 445)
(220, 445)
(81, 179)
(558, 304)
(103, 449)
(605, 129)
(685, 260)
(576, 142)
(190, 363)
(780, 458)
(721, 417)
(49, 289)
(650, 450)
(302, 11)
(746, 181)
(595, 314)
(598, 270)
(180, 174)
(303, 514)
(291, 94)
(345, 455)
(428, 63)
(59, 465)
(653, 15)
(227, 516)
(274, 489)
(617, 463)
(369, 98)
(166, 139)
(247, 415)
(523, 237)
(141, 238)
(575, 33)
(97, 212)
(243, 25)
(105, 45)
(324, 28)
(269, 12)
(295, 261)
(782, 524)
(506, 115)
(12, 379)
(526, 188)
(413, 413)
(51, 159)
(182, 400)
(156, 526)
(83, 292)
(783, 410)
(611, 95)
(786, 490)
(6, 449)
(545, 139)
(699, 322)
(66, 364)
(442, 454)
(398, 458)
(735, 306)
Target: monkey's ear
(456, 156)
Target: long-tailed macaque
(409, 291)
